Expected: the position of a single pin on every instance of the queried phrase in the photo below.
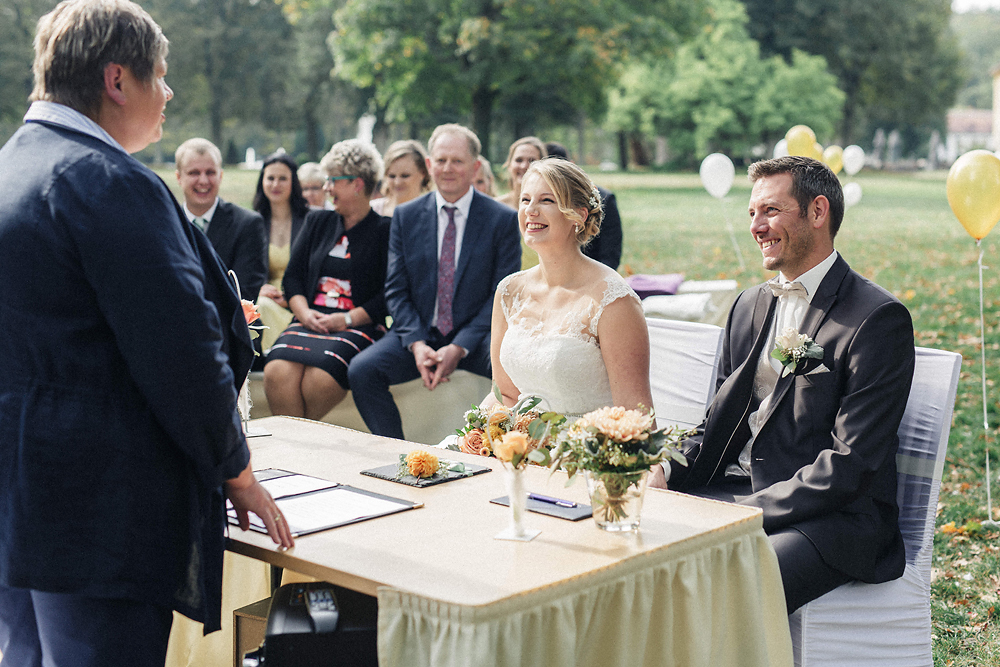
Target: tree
(977, 33)
(718, 94)
(232, 57)
(897, 62)
(17, 30)
(544, 59)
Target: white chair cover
(889, 625)
(683, 365)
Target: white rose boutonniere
(791, 348)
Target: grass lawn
(904, 237)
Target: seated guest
(406, 176)
(522, 153)
(813, 442)
(448, 250)
(313, 181)
(279, 199)
(236, 233)
(335, 283)
(484, 178)
(606, 247)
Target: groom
(812, 443)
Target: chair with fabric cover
(683, 367)
(889, 625)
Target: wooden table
(698, 584)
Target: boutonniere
(791, 348)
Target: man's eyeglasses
(331, 179)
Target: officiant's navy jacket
(123, 344)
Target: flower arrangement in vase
(615, 448)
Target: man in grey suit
(237, 234)
(448, 250)
(812, 442)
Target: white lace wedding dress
(556, 353)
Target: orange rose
(250, 311)
(512, 444)
(498, 414)
(473, 443)
(421, 464)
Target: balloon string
(732, 235)
(986, 423)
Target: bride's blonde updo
(573, 190)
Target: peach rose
(473, 443)
(421, 464)
(250, 312)
(512, 444)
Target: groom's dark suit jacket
(491, 249)
(239, 238)
(824, 461)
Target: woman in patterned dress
(334, 284)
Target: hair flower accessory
(791, 348)
(595, 198)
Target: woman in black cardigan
(335, 286)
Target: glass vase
(518, 498)
(616, 499)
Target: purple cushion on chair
(645, 285)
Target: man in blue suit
(118, 424)
(448, 250)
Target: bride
(569, 329)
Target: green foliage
(718, 94)
(896, 61)
(17, 29)
(444, 58)
(977, 33)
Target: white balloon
(781, 148)
(717, 173)
(854, 159)
(852, 195)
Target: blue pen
(550, 499)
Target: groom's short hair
(810, 179)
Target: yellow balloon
(817, 153)
(833, 157)
(973, 188)
(800, 140)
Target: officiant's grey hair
(78, 39)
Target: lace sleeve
(506, 300)
(616, 289)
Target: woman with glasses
(335, 288)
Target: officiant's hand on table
(247, 495)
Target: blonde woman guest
(406, 176)
(522, 153)
(569, 329)
(484, 178)
(313, 180)
(335, 284)
(280, 200)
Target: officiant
(118, 422)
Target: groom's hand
(427, 361)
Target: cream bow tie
(787, 289)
